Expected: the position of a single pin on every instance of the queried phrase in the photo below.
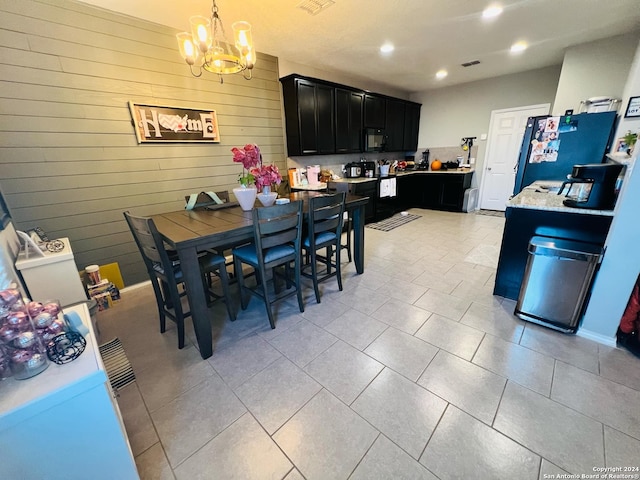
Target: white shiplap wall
(69, 159)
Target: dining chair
(166, 275)
(324, 231)
(347, 224)
(277, 235)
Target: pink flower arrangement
(251, 159)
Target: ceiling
(428, 35)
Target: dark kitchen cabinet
(438, 191)
(411, 126)
(374, 111)
(349, 106)
(309, 115)
(395, 125)
(367, 189)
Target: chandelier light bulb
(441, 74)
(492, 11)
(518, 47)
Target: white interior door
(506, 130)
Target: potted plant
(630, 140)
(254, 177)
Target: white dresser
(64, 423)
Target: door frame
(488, 147)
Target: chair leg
(297, 267)
(338, 268)
(178, 314)
(267, 303)
(349, 239)
(314, 275)
(237, 267)
(224, 280)
(160, 302)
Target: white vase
(246, 197)
(267, 199)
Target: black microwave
(375, 140)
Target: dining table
(190, 232)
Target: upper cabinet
(394, 125)
(411, 125)
(349, 106)
(327, 118)
(309, 109)
(374, 111)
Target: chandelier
(206, 47)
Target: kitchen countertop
(313, 188)
(543, 196)
(457, 171)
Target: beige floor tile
(494, 320)
(385, 460)
(402, 290)
(463, 447)
(356, 328)
(153, 464)
(303, 342)
(521, 365)
(403, 411)
(482, 294)
(436, 281)
(442, 304)
(571, 349)
(548, 470)
(325, 439)
(140, 429)
(405, 354)
(563, 436)
(619, 365)
(172, 376)
(402, 315)
(276, 393)
(621, 450)
(451, 336)
(243, 451)
(195, 417)
(469, 387)
(606, 401)
(344, 371)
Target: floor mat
(393, 222)
(117, 364)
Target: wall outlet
(472, 161)
(483, 136)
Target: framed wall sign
(159, 124)
(633, 109)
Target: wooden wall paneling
(69, 160)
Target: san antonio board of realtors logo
(154, 123)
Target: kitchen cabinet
(394, 125)
(438, 191)
(349, 105)
(327, 118)
(523, 223)
(309, 115)
(374, 111)
(411, 126)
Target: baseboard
(135, 286)
(596, 337)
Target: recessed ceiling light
(441, 74)
(518, 47)
(387, 48)
(492, 11)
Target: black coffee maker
(592, 186)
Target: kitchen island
(538, 210)
(437, 190)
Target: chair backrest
(150, 245)
(326, 214)
(278, 225)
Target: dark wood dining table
(192, 231)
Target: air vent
(471, 63)
(314, 7)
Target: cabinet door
(307, 117)
(394, 125)
(348, 121)
(325, 117)
(374, 111)
(411, 126)
(451, 193)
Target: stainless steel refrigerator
(552, 145)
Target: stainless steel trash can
(556, 281)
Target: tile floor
(414, 371)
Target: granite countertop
(457, 171)
(316, 187)
(544, 196)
